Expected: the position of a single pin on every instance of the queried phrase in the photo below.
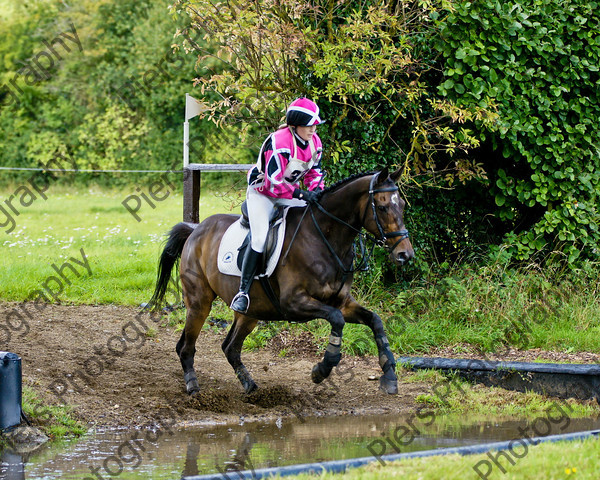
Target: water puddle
(171, 454)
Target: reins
(403, 234)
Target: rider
(288, 156)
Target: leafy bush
(489, 108)
(538, 61)
(114, 103)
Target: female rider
(288, 156)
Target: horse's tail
(169, 257)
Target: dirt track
(100, 360)
(119, 368)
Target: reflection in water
(11, 466)
(247, 446)
(191, 459)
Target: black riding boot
(241, 301)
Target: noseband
(403, 234)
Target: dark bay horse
(313, 280)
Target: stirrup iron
(240, 296)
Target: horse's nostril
(402, 257)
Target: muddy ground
(118, 367)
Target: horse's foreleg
(355, 313)
(232, 348)
(333, 353)
(308, 308)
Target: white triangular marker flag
(193, 107)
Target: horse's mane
(344, 181)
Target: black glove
(306, 195)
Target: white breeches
(259, 211)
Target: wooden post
(191, 195)
(191, 185)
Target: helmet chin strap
(310, 143)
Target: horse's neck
(347, 204)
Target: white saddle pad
(232, 240)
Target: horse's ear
(396, 175)
(383, 175)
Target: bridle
(403, 234)
(363, 264)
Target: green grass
(122, 252)
(489, 307)
(453, 396)
(549, 461)
(55, 420)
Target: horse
(312, 281)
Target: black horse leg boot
(241, 301)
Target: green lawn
(92, 231)
(549, 461)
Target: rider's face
(306, 133)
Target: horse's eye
(382, 208)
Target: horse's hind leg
(232, 347)
(198, 307)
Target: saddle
(274, 222)
(237, 239)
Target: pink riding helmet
(303, 112)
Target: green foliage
(371, 68)
(359, 60)
(262, 334)
(495, 307)
(538, 62)
(489, 108)
(114, 103)
(112, 140)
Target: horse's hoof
(389, 386)
(245, 379)
(250, 387)
(192, 387)
(191, 382)
(316, 375)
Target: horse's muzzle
(402, 256)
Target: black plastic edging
(340, 466)
(476, 364)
